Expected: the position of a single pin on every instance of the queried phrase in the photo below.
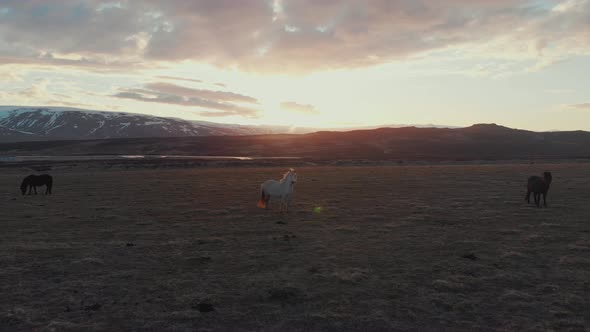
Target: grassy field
(366, 248)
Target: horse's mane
(287, 174)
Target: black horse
(538, 186)
(32, 181)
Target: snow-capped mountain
(61, 123)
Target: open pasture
(424, 248)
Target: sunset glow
(519, 63)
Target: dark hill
(478, 142)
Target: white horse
(281, 190)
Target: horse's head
(290, 176)
(547, 177)
(293, 176)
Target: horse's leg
(538, 199)
(528, 197)
(35, 188)
(287, 202)
(30, 189)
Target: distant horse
(33, 181)
(538, 186)
(281, 190)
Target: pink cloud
(581, 106)
(297, 36)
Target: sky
(330, 63)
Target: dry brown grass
(394, 248)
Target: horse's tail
(262, 201)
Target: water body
(130, 157)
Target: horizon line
(313, 128)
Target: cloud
(60, 102)
(94, 64)
(173, 89)
(560, 91)
(83, 27)
(287, 35)
(292, 106)
(10, 75)
(38, 93)
(217, 103)
(35, 91)
(179, 79)
(582, 106)
(174, 78)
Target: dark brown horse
(33, 181)
(538, 186)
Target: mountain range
(62, 123)
(23, 123)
